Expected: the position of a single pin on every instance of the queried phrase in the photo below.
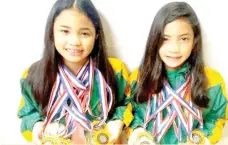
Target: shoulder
(134, 75)
(25, 73)
(214, 78)
(118, 67)
(216, 84)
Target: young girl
(179, 99)
(74, 87)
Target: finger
(112, 139)
(37, 138)
(37, 141)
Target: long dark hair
(152, 70)
(42, 74)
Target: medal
(53, 135)
(49, 140)
(145, 138)
(197, 137)
(99, 135)
(55, 140)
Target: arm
(216, 116)
(28, 112)
(124, 110)
(138, 109)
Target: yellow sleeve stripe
(134, 76)
(215, 78)
(119, 66)
(217, 131)
(27, 135)
(128, 116)
(22, 103)
(25, 73)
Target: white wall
(126, 23)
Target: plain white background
(126, 24)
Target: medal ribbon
(173, 101)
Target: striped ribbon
(71, 95)
(181, 111)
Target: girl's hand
(115, 129)
(37, 132)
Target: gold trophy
(99, 135)
(53, 134)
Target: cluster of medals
(181, 114)
(54, 135)
(70, 99)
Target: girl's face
(74, 36)
(177, 44)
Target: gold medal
(99, 135)
(52, 140)
(53, 135)
(197, 137)
(64, 141)
(49, 141)
(145, 138)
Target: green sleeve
(215, 116)
(139, 114)
(138, 109)
(28, 112)
(123, 111)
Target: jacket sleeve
(124, 110)
(216, 115)
(137, 109)
(28, 111)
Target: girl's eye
(85, 34)
(184, 39)
(165, 39)
(65, 31)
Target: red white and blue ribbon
(181, 111)
(71, 95)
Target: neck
(74, 67)
(172, 68)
